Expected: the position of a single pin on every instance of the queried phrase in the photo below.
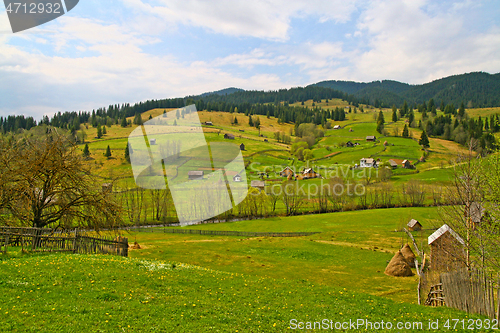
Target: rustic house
(242, 147)
(209, 123)
(371, 138)
(414, 225)
(237, 178)
(286, 172)
(367, 163)
(229, 136)
(447, 250)
(195, 175)
(336, 127)
(309, 173)
(258, 184)
(152, 142)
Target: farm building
(258, 184)
(209, 123)
(265, 140)
(237, 178)
(336, 127)
(286, 172)
(447, 250)
(229, 136)
(308, 173)
(241, 130)
(195, 175)
(414, 225)
(367, 163)
(407, 164)
(393, 164)
(152, 142)
(242, 147)
(371, 138)
(349, 144)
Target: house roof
(368, 160)
(258, 183)
(196, 173)
(441, 231)
(393, 163)
(370, 137)
(406, 161)
(413, 223)
(229, 135)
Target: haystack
(398, 266)
(409, 255)
(136, 246)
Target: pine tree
(235, 120)
(175, 122)
(86, 151)
(406, 133)
(461, 110)
(424, 140)
(394, 113)
(99, 132)
(104, 130)
(411, 117)
(127, 154)
(108, 152)
(250, 122)
(150, 117)
(124, 122)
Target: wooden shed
(447, 250)
(229, 136)
(414, 225)
(371, 138)
(242, 146)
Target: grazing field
(82, 293)
(351, 250)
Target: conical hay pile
(398, 266)
(409, 255)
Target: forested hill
(477, 89)
(223, 92)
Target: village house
(287, 172)
(242, 147)
(336, 127)
(195, 175)
(229, 136)
(237, 178)
(414, 225)
(209, 123)
(152, 142)
(307, 173)
(368, 163)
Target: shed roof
(195, 173)
(413, 223)
(258, 183)
(393, 163)
(441, 231)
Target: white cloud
(258, 18)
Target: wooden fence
(229, 233)
(49, 240)
(471, 291)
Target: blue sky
(116, 51)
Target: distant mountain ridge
(477, 89)
(222, 92)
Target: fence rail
(49, 240)
(229, 233)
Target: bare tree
(291, 197)
(53, 185)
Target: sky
(126, 51)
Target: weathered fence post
(75, 242)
